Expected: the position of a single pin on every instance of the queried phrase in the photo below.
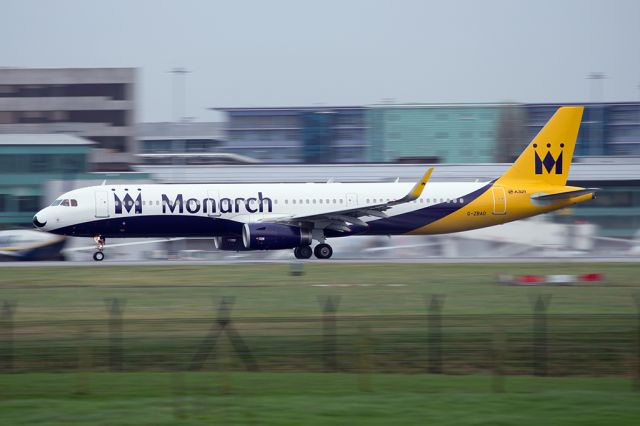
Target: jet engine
(229, 243)
(273, 236)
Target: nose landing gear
(100, 243)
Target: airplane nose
(39, 222)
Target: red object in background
(591, 277)
(530, 279)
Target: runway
(344, 261)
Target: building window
(442, 135)
(7, 117)
(39, 163)
(28, 203)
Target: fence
(535, 343)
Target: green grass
(61, 326)
(269, 290)
(168, 311)
(311, 399)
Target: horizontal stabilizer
(563, 195)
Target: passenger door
(102, 204)
(499, 200)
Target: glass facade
(292, 135)
(318, 137)
(433, 133)
(606, 129)
(24, 169)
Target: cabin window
(340, 200)
(293, 201)
(286, 201)
(461, 200)
(334, 201)
(320, 200)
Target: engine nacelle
(273, 236)
(229, 243)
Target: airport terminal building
(97, 104)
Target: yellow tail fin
(548, 157)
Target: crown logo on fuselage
(128, 203)
(548, 163)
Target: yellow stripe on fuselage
(488, 209)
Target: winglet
(417, 189)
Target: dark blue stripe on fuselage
(407, 222)
(153, 226)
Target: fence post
(364, 362)
(540, 305)
(434, 334)
(115, 307)
(329, 331)
(636, 382)
(498, 348)
(223, 323)
(8, 311)
(84, 363)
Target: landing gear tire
(303, 252)
(100, 242)
(323, 251)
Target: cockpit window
(66, 203)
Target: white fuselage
(211, 210)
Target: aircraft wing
(339, 220)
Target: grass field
(61, 329)
(269, 290)
(311, 399)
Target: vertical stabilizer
(548, 157)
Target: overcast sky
(336, 52)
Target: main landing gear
(303, 252)
(100, 242)
(322, 251)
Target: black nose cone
(37, 223)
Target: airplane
(293, 216)
(26, 244)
